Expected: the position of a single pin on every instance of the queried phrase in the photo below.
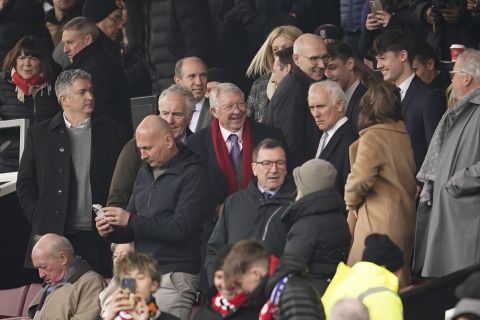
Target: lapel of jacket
(205, 116)
(334, 141)
(409, 95)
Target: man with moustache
(288, 109)
(67, 166)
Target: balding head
(155, 141)
(52, 255)
(310, 54)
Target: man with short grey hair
(175, 105)
(447, 223)
(326, 101)
(67, 166)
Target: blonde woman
(262, 64)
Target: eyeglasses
(229, 108)
(267, 164)
(115, 19)
(452, 73)
(316, 59)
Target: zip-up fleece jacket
(167, 213)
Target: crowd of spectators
(308, 159)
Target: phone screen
(128, 284)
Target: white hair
(332, 88)
(222, 88)
(181, 91)
(471, 63)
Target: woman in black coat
(26, 92)
(317, 229)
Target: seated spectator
(226, 302)
(71, 287)
(317, 228)
(119, 250)
(282, 66)
(262, 64)
(427, 67)
(146, 275)
(374, 280)
(26, 92)
(349, 309)
(468, 308)
(254, 212)
(291, 295)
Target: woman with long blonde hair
(262, 64)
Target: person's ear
(177, 80)
(88, 39)
(155, 285)
(254, 169)
(214, 112)
(350, 63)
(430, 64)
(288, 68)
(403, 54)
(295, 57)
(63, 258)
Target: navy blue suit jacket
(336, 152)
(201, 143)
(422, 108)
(353, 108)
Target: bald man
(288, 108)
(170, 201)
(71, 286)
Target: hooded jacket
(318, 232)
(374, 285)
(167, 213)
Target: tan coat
(382, 186)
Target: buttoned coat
(46, 178)
(382, 185)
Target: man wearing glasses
(288, 108)
(447, 223)
(225, 148)
(254, 212)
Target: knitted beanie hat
(314, 175)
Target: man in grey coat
(448, 214)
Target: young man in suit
(422, 104)
(326, 101)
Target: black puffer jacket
(298, 300)
(175, 29)
(19, 18)
(247, 216)
(38, 108)
(318, 232)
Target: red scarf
(223, 157)
(226, 306)
(25, 85)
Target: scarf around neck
(226, 306)
(25, 88)
(223, 157)
(428, 171)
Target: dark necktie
(267, 196)
(235, 150)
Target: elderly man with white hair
(448, 219)
(326, 101)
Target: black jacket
(422, 107)
(36, 109)
(318, 232)
(246, 215)
(109, 83)
(336, 152)
(46, 179)
(175, 29)
(298, 300)
(288, 110)
(166, 214)
(353, 108)
(20, 18)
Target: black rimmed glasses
(316, 59)
(267, 164)
(242, 106)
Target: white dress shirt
(226, 134)
(196, 115)
(405, 85)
